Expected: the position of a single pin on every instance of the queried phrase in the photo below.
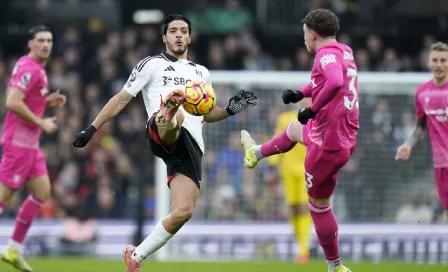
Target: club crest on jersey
(44, 91)
(327, 59)
(26, 78)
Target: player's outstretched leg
(280, 143)
(184, 193)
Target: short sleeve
(208, 77)
(23, 78)
(140, 76)
(420, 112)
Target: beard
(177, 50)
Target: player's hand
(240, 102)
(304, 115)
(82, 138)
(290, 96)
(48, 125)
(56, 99)
(403, 152)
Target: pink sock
(280, 143)
(28, 211)
(327, 233)
(2, 208)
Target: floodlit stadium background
(388, 210)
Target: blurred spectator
(415, 211)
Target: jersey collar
(174, 59)
(169, 57)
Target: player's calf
(184, 193)
(327, 232)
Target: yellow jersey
(291, 163)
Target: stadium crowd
(90, 64)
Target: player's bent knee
(6, 194)
(39, 187)
(182, 215)
(320, 202)
(295, 131)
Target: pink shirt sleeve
(331, 64)
(307, 90)
(420, 112)
(23, 78)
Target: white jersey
(161, 74)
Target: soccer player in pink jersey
(22, 162)
(328, 128)
(431, 103)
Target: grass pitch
(91, 265)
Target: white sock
(14, 246)
(332, 265)
(156, 239)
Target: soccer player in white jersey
(173, 134)
(431, 104)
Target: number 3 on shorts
(350, 104)
(308, 180)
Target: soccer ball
(199, 98)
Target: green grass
(90, 265)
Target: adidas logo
(169, 68)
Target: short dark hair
(36, 29)
(174, 17)
(323, 21)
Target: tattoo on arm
(417, 133)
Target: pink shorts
(21, 164)
(322, 168)
(441, 175)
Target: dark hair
(36, 29)
(174, 17)
(323, 22)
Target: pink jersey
(334, 92)
(29, 77)
(431, 102)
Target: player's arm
(22, 81)
(15, 103)
(242, 100)
(113, 107)
(418, 133)
(404, 150)
(331, 64)
(216, 114)
(332, 69)
(137, 80)
(290, 96)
